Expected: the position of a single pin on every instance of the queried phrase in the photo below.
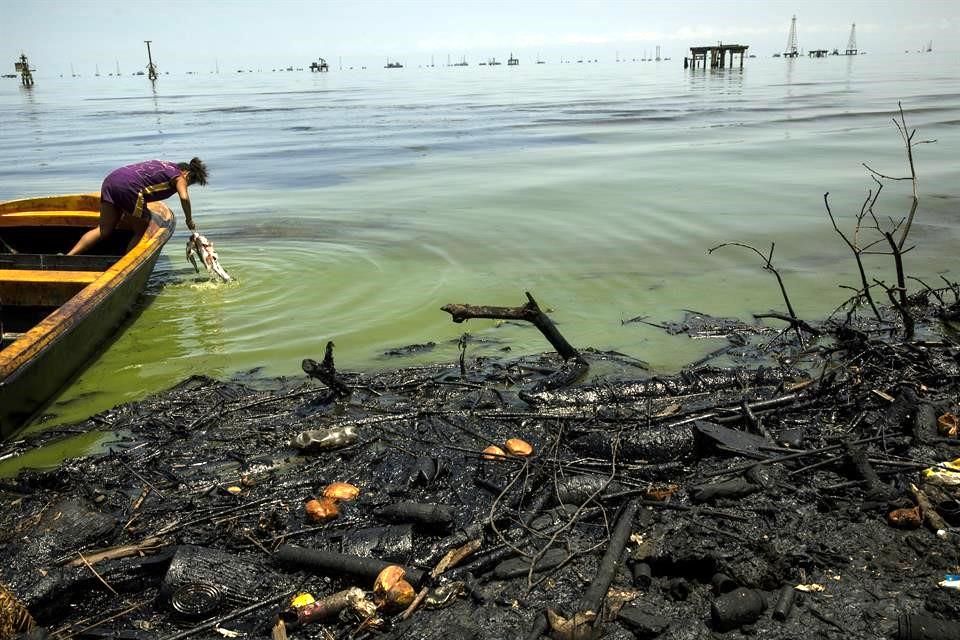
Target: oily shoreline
(782, 494)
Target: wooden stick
(593, 598)
(530, 312)
(94, 572)
(125, 551)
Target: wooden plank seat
(37, 287)
(47, 262)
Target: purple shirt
(130, 188)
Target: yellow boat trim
(37, 276)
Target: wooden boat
(56, 311)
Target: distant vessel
(511, 61)
(393, 65)
(929, 46)
(462, 63)
(492, 62)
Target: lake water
(352, 205)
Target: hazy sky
(192, 35)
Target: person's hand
(191, 225)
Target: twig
(768, 266)
(865, 292)
(94, 572)
(451, 559)
(230, 616)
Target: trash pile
(809, 487)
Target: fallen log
(338, 564)
(688, 382)
(530, 312)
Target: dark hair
(196, 169)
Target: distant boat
(393, 65)
(930, 46)
(511, 61)
(492, 62)
(462, 63)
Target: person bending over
(127, 190)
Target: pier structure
(321, 65)
(151, 68)
(717, 55)
(23, 66)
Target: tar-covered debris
(797, 489)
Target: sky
(197, 35)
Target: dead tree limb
(908, 144)
(901, 307)
(898, 261)
(530, 312)
(795, 323)
(857, 251)
(326, 373)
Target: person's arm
(185, 202)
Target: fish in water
(199, 247)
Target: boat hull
(35, 367)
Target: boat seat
(46, 261)
(35, 287)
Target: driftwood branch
(326, 373)
(530, 312)
(593, 597)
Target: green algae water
(350, 206)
